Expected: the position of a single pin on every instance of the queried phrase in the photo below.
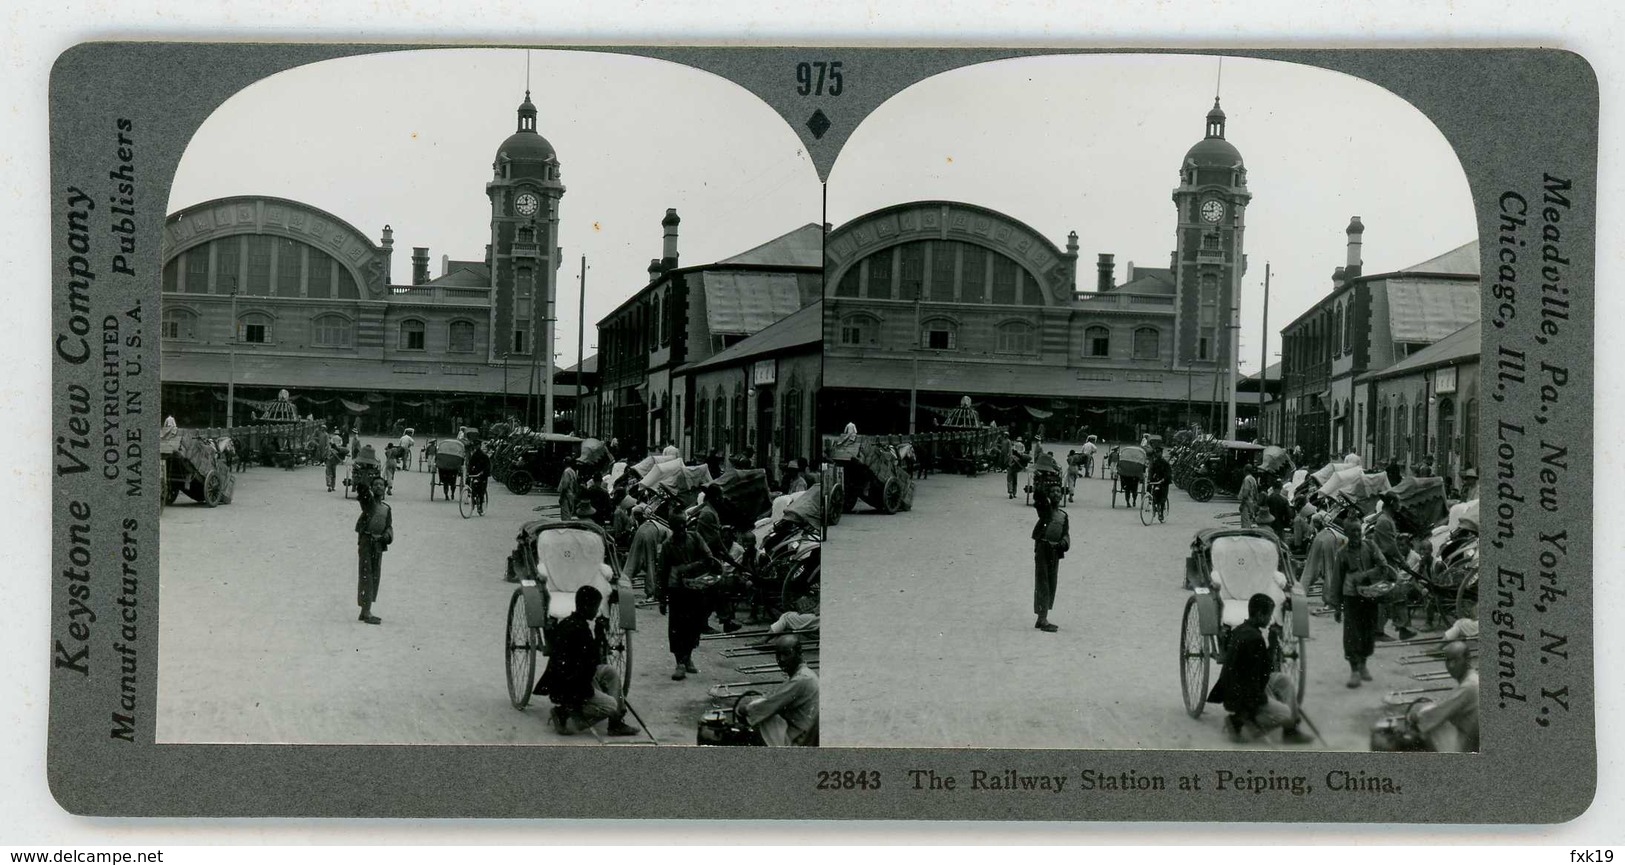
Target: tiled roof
(803, 247)
(747, 301)
(1464, 344)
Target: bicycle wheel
(1145, 510)
(465, 504)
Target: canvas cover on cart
(740, 496)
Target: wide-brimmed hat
(1469, 475)
(794, 465)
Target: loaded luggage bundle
(740, 496)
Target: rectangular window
(254, 333)
(1204, 349)
(197, 270)
(1209, 315)
(1146, 344)
(1098, 342)
(290, 267)
(462, 336)
(521, 337)
(943, 255)
(880, 275)
(974, 275)
(912, 262)
(851, 333)
(228, 255)
(939, 338)
(333, 332)
(1004, 280)
(522, 307)
(259, 265)
(321, 275)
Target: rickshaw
(449, 459)
(551, 560)
(1131, 464)
(1225, 568)
(790, 552)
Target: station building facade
(1427, 405)
(949, 299)
(271, 294)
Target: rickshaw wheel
(1467, 598)
(519, 651)
(1193, 660)
(836, 505)
(1201, 489)
(213, 489)
(520, 482)
(1293, 655)
(804, 584)
(620, 645)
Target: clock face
(1212, 210)
(527, 204)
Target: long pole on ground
(1264, 355)
(581, 343)
(1233, 344)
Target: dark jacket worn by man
(1245, 673)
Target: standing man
(1469, 485)
(375, 531)
(405, 443)
(689, 574)
(1249, 499)
(1280, 511)
(1321, 562)
(1089, 448)
(793, 480)
(1014, 460)
(643, 556)
(569, 491)
(1360, 564)
(1051, 539)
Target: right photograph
(1151, 386)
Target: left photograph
(569, 418)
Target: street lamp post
(914, 382)
(231, 359)
(505, 410)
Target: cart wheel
(1467, 598)
(519, 651)
(214, 489)
(1193, 660)
(465, 505)
(1201, 489)
(171, 492)
(891, 496)
(836, 505)
(804, 583)
(519, 483)
(1294, 656)
(620, 644)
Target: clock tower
(1208, 261)
(524, 255)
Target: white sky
(1094, 144)
(407, 139)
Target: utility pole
(581, 343)
(231, 356)
(914, 383)
(1264, 355)
(1234, 345)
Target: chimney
(668, 253)
(1338, 276)
(420, 265)
(655, 269)
(1072, 244)
(488, 255)
(1355, 230)
(1128, 273)
(387, 241)
(1105, 267)
(445, 264)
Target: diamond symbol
(818, 123)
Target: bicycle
(1150, 506)
(472, 500)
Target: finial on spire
(1218, 83)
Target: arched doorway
(1446, 457)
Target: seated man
(1459, 709)
(788, 716)
(584, 690)
(1258, 697)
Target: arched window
(460, 336)
(1382, 431)
(1419, 428)
(939, 334)
(180, 324)
(860, 329)
(254, 328)
(740, 426)
(1097, 341)
(790, 448)
(412, 335)
(719, 420)
(1337, 330)
(657, 325)
(1147, 343)
(332, 331)
(1016, 337)
(1447, 432)
(848, 286)
(197, 269)
(1402, 436)
(1348, 328)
